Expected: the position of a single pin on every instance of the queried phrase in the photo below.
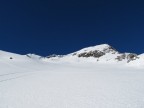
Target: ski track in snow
(12, 76)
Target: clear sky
(62, 26)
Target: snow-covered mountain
(103, 53)
(93, 77)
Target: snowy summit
(103, 53)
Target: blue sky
(62, 26)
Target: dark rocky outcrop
(98, 53)
(121, 57)
(95, 54)
(54, 55)
(129, 57)
(132, 57)
(110, 49)
(11, 58)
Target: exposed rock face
(54, 55)
(129, 57)
(11, 58)
(50, 56)
(121, 57)
(95, 54)
(103, 52)
(132, 57)
(110, 49)
(28, 55)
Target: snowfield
(29, 82)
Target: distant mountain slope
(100, 53)
(103, 53)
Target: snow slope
(32, 81)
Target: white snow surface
(93, 48)
(35, 82)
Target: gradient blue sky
(62, 26)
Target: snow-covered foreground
(41, 84)
(94, 77)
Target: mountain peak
(101, 47)
(99, 53)
(95, 51)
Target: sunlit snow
(31, 81)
